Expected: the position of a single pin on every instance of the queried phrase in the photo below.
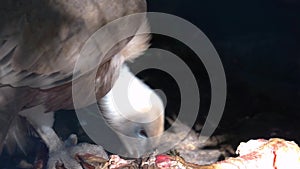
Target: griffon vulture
(40, 42)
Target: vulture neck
(130, 99)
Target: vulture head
(137, 116)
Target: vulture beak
(135, 112)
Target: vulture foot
(77, 156)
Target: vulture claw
(91, 161)
(77, 156)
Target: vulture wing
(40, 40)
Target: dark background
(258, 43)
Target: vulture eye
(142, 133)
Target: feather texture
(43, 38)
